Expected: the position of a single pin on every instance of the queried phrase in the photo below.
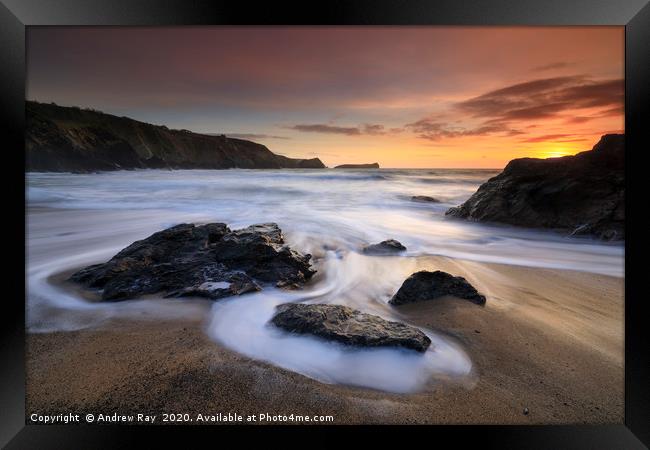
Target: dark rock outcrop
(348, 326)
(208, 260)
(70, 139)
(358, 166)
(424, 285)
(388, 247)
(424, 199)
(583, 194)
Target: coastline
(548, 340)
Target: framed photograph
(345, 216)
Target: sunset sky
(400, 96)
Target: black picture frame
(15, 15)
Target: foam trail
(242, 324)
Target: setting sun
(555, 153)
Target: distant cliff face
(584, 194)
(358, 166)
(62, 139)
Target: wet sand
(548, 340)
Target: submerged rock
(208, 260)
(583, 194)
(384, 247)
(425, 285)
(424, 199)
(348, 326)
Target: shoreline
(548, 340)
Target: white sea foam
(349, 279)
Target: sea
(74, 220)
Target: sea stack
(358, 166)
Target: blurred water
(78, 219)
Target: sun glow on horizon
(561, 149)
(411, 97)
(556, 153)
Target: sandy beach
(548, 341)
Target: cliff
(62, 139)
(582, 194)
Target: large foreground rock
(583, 194)
(424, 285)
(208, 260)
(348, 326)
